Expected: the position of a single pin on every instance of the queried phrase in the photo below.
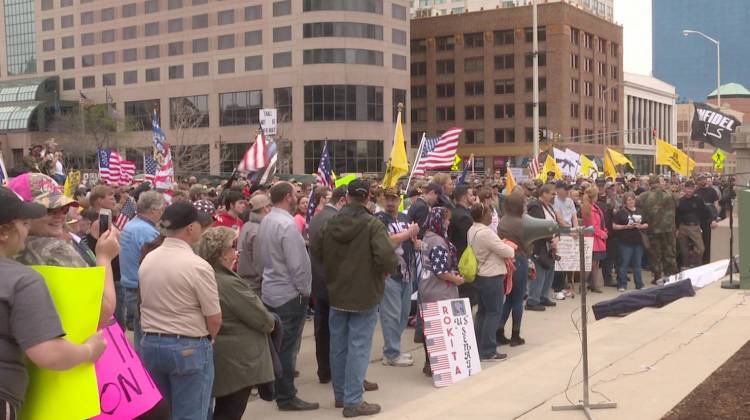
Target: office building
(689, 63)
(474, 71)
(649, 115)
(333, 69)
(427, 8)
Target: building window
(253, 37)
(529, 82)
(225, 17)
(48, 45)
(503, 111)
(283, 59)
(615, 95)
(87, 60)
(198, 2)
(474, 112)
(588, 65)
(505, 37)
(88, 82)
(66, 3)
(419, 68)
(176, 72)
(346, 155)
(474, 136)
(419, 92)
(614, 48)
(600, 114)
(174, 4)
(48, 4)
(575, 135)
(152, 75)
(282, 8)
(342, 30)
(343, 103)
(474, 40)
(253, 13)
(473, 64)
(529, 58)
(225, 42)
(151, 52)
(445, 43)
(602, 67)
(108, 57)
(109, 79)
(87, 39)
(398, 36)
(282, 100)
(397, 11)
(588, 40)
(369, 6)
(152, 29)
(174, 25)
(602, 45)
(398, 61)
(175, 48)
(417, 46)
(129, 32)
(69, 84)
(151, 6)
(129, 54)
(342, 56)
(575, 36)
(130, 77)
(541, 31)
(253, 63)
(200, 69)
(445, 90)
(200, 45)
(615, 117)
(504, 62)
(188, 112)
(530, 109)
(240, 108)
(226, 66)
(505, 86)
(87, 18)
(108, 36)
(615, 72)
(475, 88)
(140, 113)
(282, 34)
(200, 21)
(68, 63)
(574, 86)
(588, 112)
(530, 135)
(48, 65)
(418, 114)
(575, 111)
(445, 66)
(588, 89)
(128, 10)
(108, 14)
(66, 21)
(505, 135)
(445, 113)
(48, 24)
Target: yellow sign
(719, 157)
(72, 394)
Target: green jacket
(659, 208)
(357, 254)
(242, 356)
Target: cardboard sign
(267, 118)
(125, 388)
(450, 339)
(570, 258)
(519, 175)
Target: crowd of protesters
(217, 281)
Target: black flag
(713, 127)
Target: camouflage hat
(654, 179)
(40, 189)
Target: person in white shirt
(567, 216)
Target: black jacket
(418, 213)
(317, 224)
(461, 221)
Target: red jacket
(227, 220)
(600, 231)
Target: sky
(635, 18)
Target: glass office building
(20, 37)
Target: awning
(15, 117)
(25, 90)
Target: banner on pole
(268, 121)
(450, 339)
(570, 257)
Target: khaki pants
(690, 242)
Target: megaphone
(533, 229)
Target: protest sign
(450, 339)
(570, 258)
(267, 118)
(70, 394)
(125, 388)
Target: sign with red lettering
(450, 339)
(125, 388)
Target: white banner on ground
(268, 121)
(450, 339)
(570, 258)
(703, 275)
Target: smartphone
(105, 220)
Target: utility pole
(535, 76)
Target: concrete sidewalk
(646, 362)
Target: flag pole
(416, 161)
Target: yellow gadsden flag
(398, 164)
(550, 166)
(613, 159)
(669, 155)
(510, 182)
(588, 167)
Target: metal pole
(535, 77)
(416, 161)
(718, 74)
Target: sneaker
(559, 296)
(537, 308)
(621, 290)
(401, 361)
(497, 357)
(363, 409)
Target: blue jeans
(183, 370)
(133, 314)
(539, 288)
(351, 342)
(514, 302)
(394, 314)
(120, 305)
(490, 294)
(292, 315)
(631, 256)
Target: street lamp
(685, 33)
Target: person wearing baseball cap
(32, 326)
(247, 265)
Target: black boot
(501, 340)
(515, 339)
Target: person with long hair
(593, 216)
(628, 223)
(510, 228)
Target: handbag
(468, 266)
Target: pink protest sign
(125, 388)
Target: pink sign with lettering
(125, 387)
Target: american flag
(432, 327)
(149, 168)
(430, 310)
(325, 178)
(109, 166)
(256, 157)
(127, 172)
(128, 209)
(121, 221)
(439, 362)
(442, 379)
(534, 167)
(438, 152)
(165, 170)
(436, 344)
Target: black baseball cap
(178, 215)
(14, 208)
(358, 188)
(563, 185)
(434, 186)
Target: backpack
(468, 266)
